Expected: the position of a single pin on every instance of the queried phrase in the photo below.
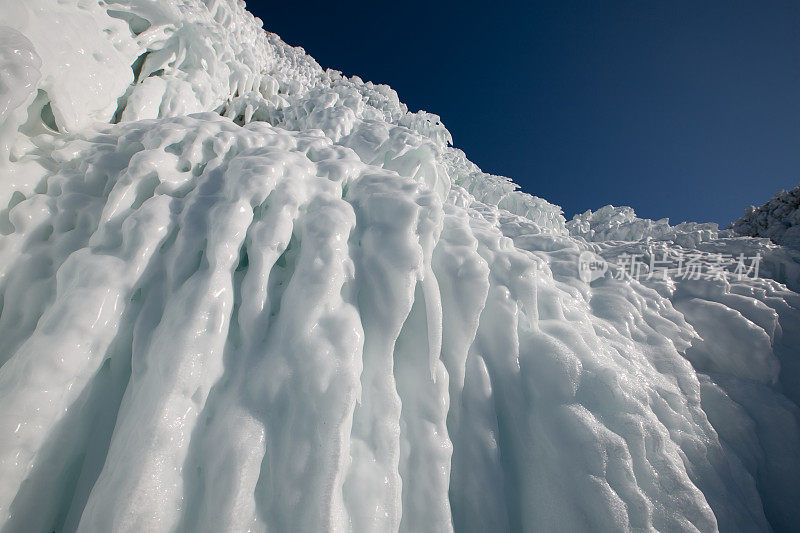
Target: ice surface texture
(778, 219)
(242, 293)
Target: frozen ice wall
(239, 292)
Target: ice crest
(777, 220)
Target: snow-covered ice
(778, 219)
(239, 292)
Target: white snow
(242, 293)
(611, 223)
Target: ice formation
(778, 219)
(239, 292)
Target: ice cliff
(239, 292)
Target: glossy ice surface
(242, 293)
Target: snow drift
(239, 292)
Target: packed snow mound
(777, 220)
(617, 232)
(242, 293)
(611, 223)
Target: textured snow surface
(611, 223)
(778, 219)
(242, 293)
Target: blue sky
(681, 109)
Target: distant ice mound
(611, 223)
(239, 292)
(777, 220)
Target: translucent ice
(239, 292)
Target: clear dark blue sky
(681, 109)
